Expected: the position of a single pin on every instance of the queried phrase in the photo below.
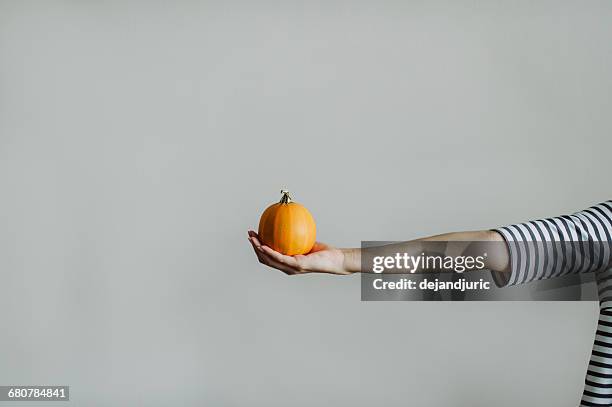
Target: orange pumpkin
(287, 227)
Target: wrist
(351, 260)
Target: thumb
(318, 246)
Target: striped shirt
(582, 243)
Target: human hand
(321, 259)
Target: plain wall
(139, 141)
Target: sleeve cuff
(504, 279)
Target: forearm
(464, 243)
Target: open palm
(321, 259)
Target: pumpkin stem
(285, 198)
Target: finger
(281, 258)
(261, 255)
(252, 233)
(255, 238)
(318, 246)
(256, 243)
(281, 261)
(271, 263)
(268, 261)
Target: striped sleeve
(553, 247)
(598, 380)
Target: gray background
(139, 141)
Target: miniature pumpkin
(287, 227)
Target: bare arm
(331, 260)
